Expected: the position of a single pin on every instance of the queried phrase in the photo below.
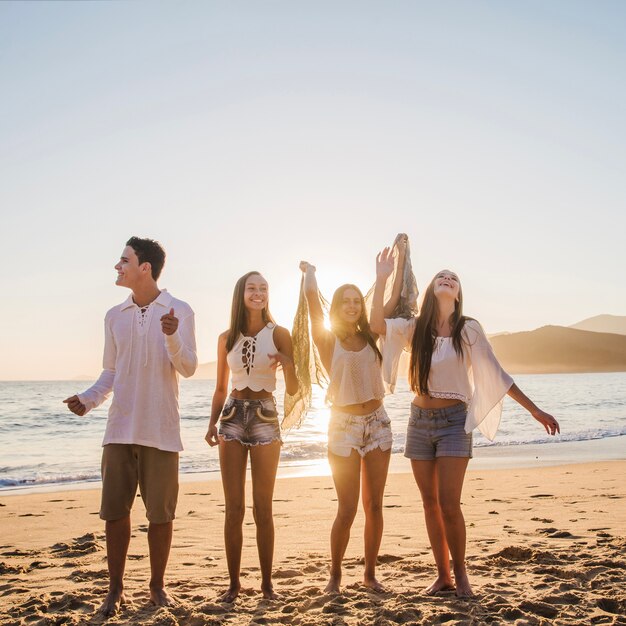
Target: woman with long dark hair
(250, 351)
(359, 432)
(459, 386)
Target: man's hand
(169, 323)
(75, 405)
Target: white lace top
(249, 364)
(355, 377)
(476, 379)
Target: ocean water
(42, 443)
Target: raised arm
(392, 303)
(384, 269)
(221, 390)
(322, 337)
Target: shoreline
(490, 457)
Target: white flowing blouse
(476, 378)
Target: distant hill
(603, 324)
(553, 349)
(206, 370)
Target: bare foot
(231, 594)
(374, 585)
(443, 583)
(268, 592)
(333, 585)
(463, 587)
(115, 598)
(160, 597)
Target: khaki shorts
(124, 466)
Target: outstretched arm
(82, 403)
(545, 419)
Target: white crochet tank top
(355, 377)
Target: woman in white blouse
(459, 385)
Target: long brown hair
(424, 336)
(238, 317)
(340, 328)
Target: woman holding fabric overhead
(459, 385)
(359, 432)
(250, 350)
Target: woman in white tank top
(251, 349)
(359, 435)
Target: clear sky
(249, 135)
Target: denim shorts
(363, 433)
(432, 433)
(251, 422)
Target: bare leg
(375, 466)
(347, 478)
(450, 475)
(427, 481)
(264, 463)
(117, 541)
(159, 542)
(233, 461)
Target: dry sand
(545, 546)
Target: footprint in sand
(18, 552)
(539, 608)
(287, 573)
(617, 607)
(79, 547)
(562, 598)
(11, 569)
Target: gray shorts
(432, 433)
(250, 422)
(363, 433)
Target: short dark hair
(149, 251)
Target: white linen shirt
(476, 379)
(141, 366)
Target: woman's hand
(384, 263)
(401, 242)
(305, 265)
(548, 422)
(211, 435)
(278, 359)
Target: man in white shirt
(149, 340)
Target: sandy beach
(545, 546)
